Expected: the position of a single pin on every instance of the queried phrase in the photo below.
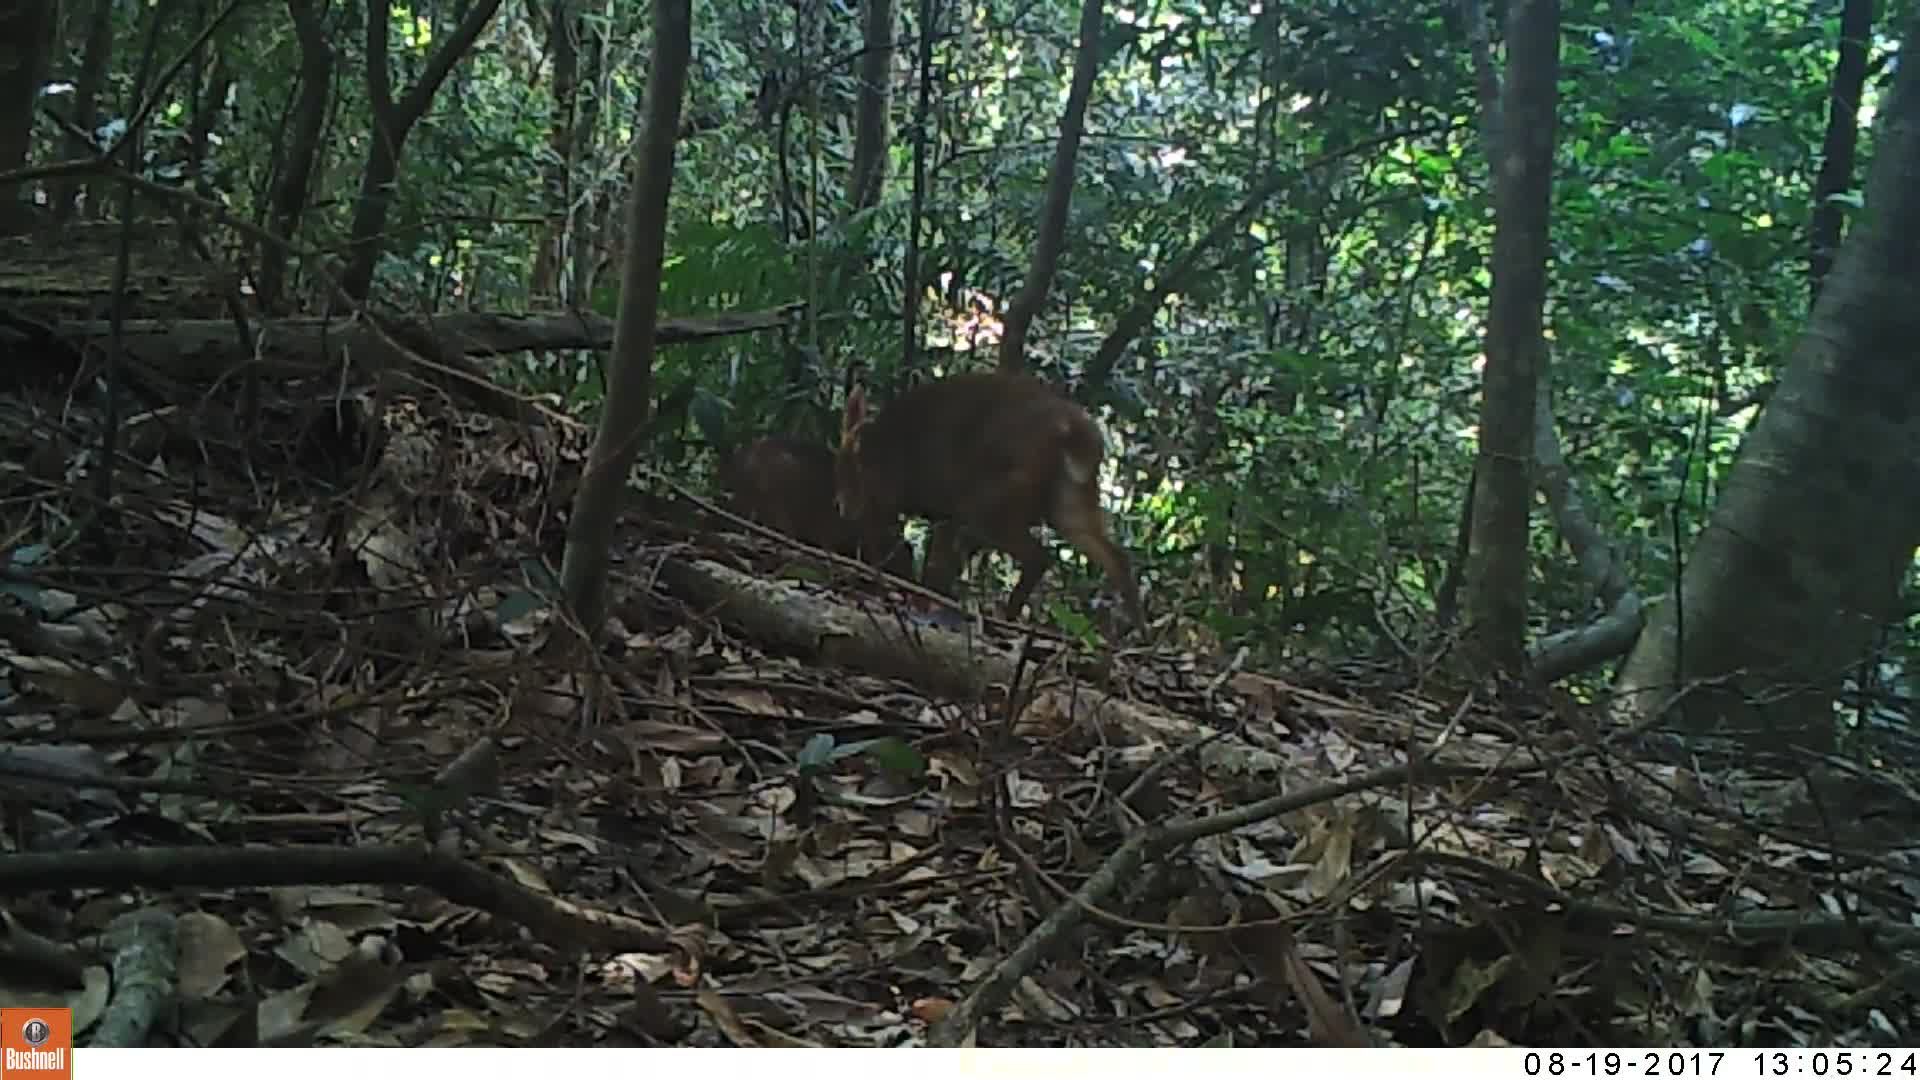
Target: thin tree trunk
(309, 120)
(876, 91)
(1843, 135)
(392, 122)
(917, 211)
(1521, 156)
(596, 505)
(576, 288)
(26, 32)
(94, 57)
(564, 29)
(1053, 212)
(209, 106)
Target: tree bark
(392, 122)
(1520, 149)
(309, 120)
(583, 235)
(595, 506)
(209, 106)
(564, 32)
(876, 91)
(1817, 523)
(1843, 135)
(917, 209)
(828, 634)
(1053, 212)
(1555, 657)
(94, 56)
(26, 32)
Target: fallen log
(202, 350)
(436, 350)
(817, 628)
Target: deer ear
(856, 409)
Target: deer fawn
(786, 483)
(994, 452)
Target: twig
(1150, 843)
(560, 922)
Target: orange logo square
(36, 1044)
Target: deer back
(996, 452)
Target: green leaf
(1074, 622)
(817, 754)
(518, 604)
(30, 554)
(890, 752)
(31, 595)
(540, 576)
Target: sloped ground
(299, 640)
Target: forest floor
(309, 632)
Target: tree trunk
(595, 506)
(209, 106)
(876, 85)
(1843, 134)
(564, 32)
(583, 234)
(94, 56)
(917, 209)
(392, 121)
(1817, 522)
(1053, 213)
(1520, 149)
(26, 28)
(309, 121)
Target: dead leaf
(353, 995)
(663, 737)
(208, 945)
(1469, 982)
(725, 1018)
(525, 873)
(1488, 1037)
(1328, 1022)
(930, 1010)
(1336, 860)
(753, 701)
(1026, 794)
(279, 1014)
(1595, 844)
(1390, 994)
(1037, 998)
(315, 948)
(221, 1023)
(86, 687)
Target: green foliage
(889, 752)
(1294, 428)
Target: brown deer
(786, 483)
(993, 452)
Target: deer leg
(881, 545)
(1032, 557)
(946, 554)
(1078, 516)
